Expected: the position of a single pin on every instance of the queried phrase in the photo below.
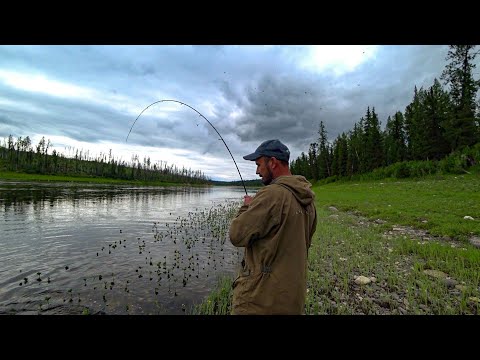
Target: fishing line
(221, 138)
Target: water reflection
(62, 246)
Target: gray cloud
(249, 93)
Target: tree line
(21, 156)
(435, 125)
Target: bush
(453, 164)
(401, 170)
(459, 161)
(422, 168)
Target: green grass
(218, 302)
(346, 247)
(437, 204)
(409, 274)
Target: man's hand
(247, 200)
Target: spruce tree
(461, 127)
(395, 143)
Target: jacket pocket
(242, 277)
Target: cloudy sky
(88, 97)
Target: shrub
(401, 170)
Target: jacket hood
(298, 186)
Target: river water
(103, 249)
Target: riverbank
(15, 176)
(390, 248)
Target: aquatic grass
(162, 277)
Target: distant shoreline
(14, 176)
(17, 176)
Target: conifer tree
(395, 146)
(437, 112)
(324, 166)
(461, 129)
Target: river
(107, 249)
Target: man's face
(264, 170)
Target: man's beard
(268, 179)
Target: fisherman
(275, 227)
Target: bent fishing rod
(221, 138)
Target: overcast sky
(87, 97)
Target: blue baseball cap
(271, 148)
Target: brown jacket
(276, 230)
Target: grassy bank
(14, 176)
(436, 203)
(391, 247)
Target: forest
(21, 156)
(439, 131)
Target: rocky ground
(406, 292)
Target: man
(276, 228)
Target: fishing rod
(198, 112)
